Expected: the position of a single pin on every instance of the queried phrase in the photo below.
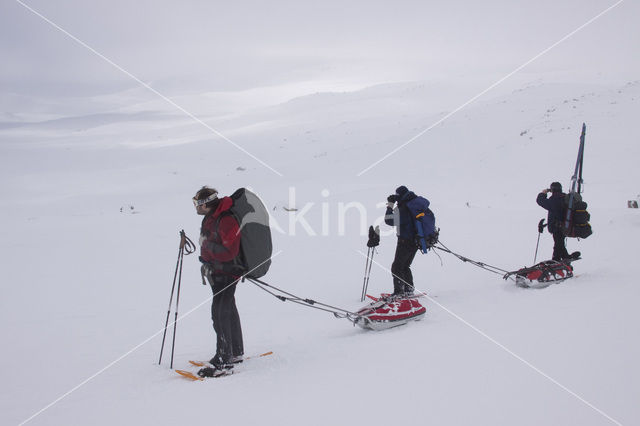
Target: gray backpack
(255, 235)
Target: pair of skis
(189, 375)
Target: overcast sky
(182, 46)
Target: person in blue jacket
(555, 206)
(406, 249)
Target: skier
(406, 249)
(220, 257)
(555, 206)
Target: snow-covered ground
(95, 191)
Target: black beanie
(556, 187)
(401, 190)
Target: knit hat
(401, 191)
(556, 187)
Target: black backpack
(577, 218)
(255, 240)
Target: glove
(541, 225)
(391, 200)
(374, 237)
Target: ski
(220, 373)
(189, 375)
(206, 363)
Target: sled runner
(542, 274)
(389, 311)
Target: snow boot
(573, 256)
(219, 364)
(215, 371)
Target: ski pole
(367, 272)
(372, 243)
(186, 245)
(173, 286)
(175, 321)
(541, 226)
(364, 281)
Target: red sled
(389, 311)
(542, 274)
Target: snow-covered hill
(91, 247)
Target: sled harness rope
(285, 296)
(485, 266)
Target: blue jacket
(402, 218)
(555, 206)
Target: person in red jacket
(220, 257)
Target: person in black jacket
(406, 249)
(555, 206)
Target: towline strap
(285, 296)
(482, 265)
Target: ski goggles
(204, 201)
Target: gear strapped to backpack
(577, 216)
(255, 235)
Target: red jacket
(220, 236)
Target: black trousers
(401, 267)
(226, 320)
(559, 249)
